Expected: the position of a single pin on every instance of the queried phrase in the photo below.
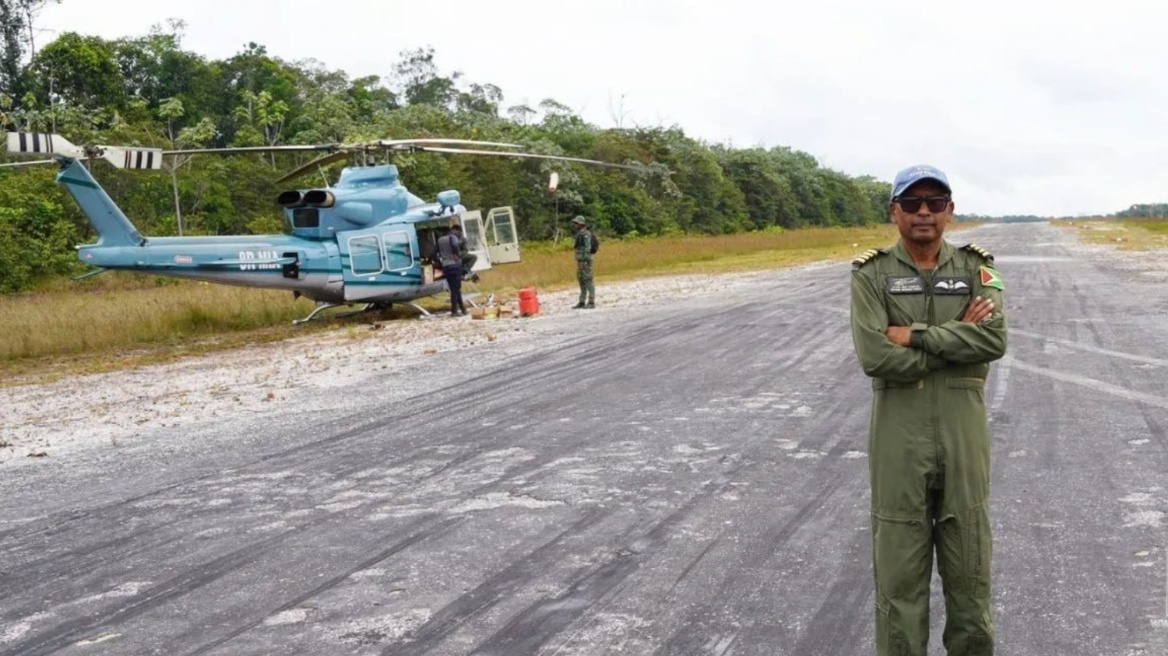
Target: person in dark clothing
(451, 248)
(583, 250)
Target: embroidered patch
(956, 285)
(990, 277)
(905, 284)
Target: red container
(528, 302)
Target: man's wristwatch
(918, 333)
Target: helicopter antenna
(52, 107)
(323, 176)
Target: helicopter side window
(504, 229)
(365, 255)
(398, 251)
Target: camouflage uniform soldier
(927, 319)
(584, 264)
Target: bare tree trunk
(174, 186)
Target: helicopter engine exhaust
(320, 198)
(290, 199)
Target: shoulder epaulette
(867, 255)
(974, 248)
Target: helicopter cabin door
(377, 263)
(472, 229)
(502, 237)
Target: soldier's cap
(579, 220)
(908, 177)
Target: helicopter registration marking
(258, 255)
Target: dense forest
(148, 90)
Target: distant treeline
(148, 90)
(1144, 210)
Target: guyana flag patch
(990, 277)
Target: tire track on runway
(441, 527)
(543, 620)
(533, 627)
(697, 628)
(547, 372)
(55, 527)
(63, 635)
(216, 569)
(836, 627)
(507, 582)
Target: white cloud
(1030, 107)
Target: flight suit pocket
(903, 556)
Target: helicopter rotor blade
(254, 149)
(385, 143)
(132, 158)
(32, 143)
(298, 148)
(531, 155)
(319, 161)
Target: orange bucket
(528, 302)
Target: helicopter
(366, 239)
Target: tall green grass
(111, 319)
(552, 266)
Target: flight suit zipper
(930, 311)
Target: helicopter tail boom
(112, 226)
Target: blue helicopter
(363, 240)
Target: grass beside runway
(1124, 234)
(117, 320)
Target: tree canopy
(149, 90)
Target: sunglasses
(912, 204)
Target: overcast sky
(1028, 111)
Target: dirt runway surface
(681, 471)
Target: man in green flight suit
(584, 264)
(927, 319)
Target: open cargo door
(502, 237)
(476, 242)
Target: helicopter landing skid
(321, 307)
(426, 314)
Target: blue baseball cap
(914, 174)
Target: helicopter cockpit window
(398, 251)
(365, 255)
(305, 217)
